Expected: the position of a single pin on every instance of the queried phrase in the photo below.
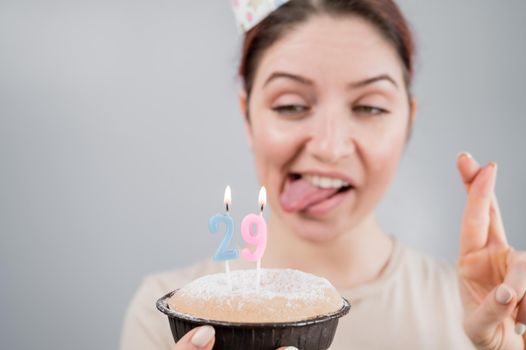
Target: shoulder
(167, 281)
(425, 266)
(430, 274)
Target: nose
(331, 139)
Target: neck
(352, 258)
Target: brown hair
(383, 14)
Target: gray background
(119, 129)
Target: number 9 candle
(259, 238)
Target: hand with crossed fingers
(492, 276)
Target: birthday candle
(222, 253)
(259, 238)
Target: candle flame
(262, 201)
(228, 197)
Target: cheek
(274, 146)
(382, 156)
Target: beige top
(413, 305)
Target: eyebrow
(305, 81)
(294, 77)
(368, 81)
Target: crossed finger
(470, 170)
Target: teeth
(325, 182)
(336, 183)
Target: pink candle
(258, 238)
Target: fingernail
(203, 336)
(503, 294)
(291, 348)
(462, 154)
(492, 166)
(520, 328)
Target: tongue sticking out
(300, 194)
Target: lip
(333, 174)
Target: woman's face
(329, 117)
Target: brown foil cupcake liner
(311, 334)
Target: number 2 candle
(222, 253)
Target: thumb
(288, 348)
(480, 326)
(200, 338)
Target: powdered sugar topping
(284, 283)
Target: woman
(328, 111)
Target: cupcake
(287, 308)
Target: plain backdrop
(119, 129)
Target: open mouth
(313, 194)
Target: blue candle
(223, 253)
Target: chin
(315, 231)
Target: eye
(370, 110)
(290, 109)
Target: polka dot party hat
(250, 12)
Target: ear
(243, 106)
(412, 110)
(412, 117)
